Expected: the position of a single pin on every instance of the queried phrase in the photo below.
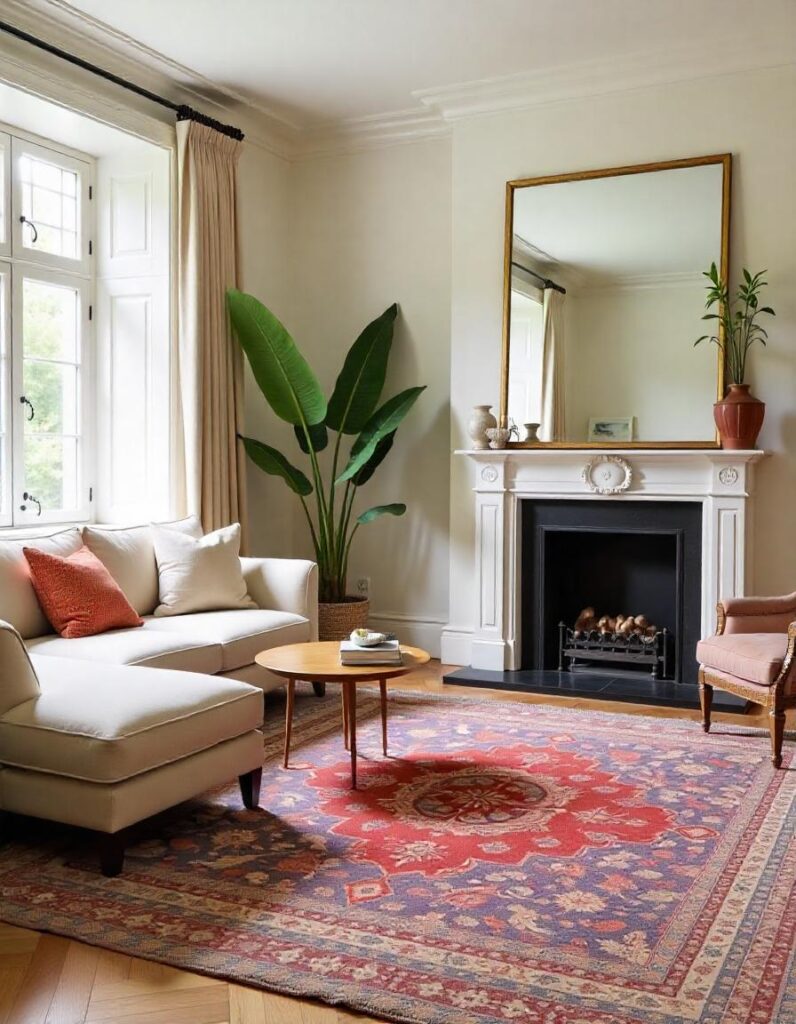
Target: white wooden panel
(130, 216)
(133, 214)
(133, 483)
(130, 358)
(489, 565)
(729, 553)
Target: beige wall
(751, 115)
(330, 242)
(628, 350)
(264, 227)
(370, 229)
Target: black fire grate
(589, 645)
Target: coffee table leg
(291, 692)
(344, 697)
(352, 729)
(383, 694)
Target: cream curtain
(553, 411)
(208, 382)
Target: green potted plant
(738, 415)
(327, 496)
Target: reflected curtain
(553, 411)
(209, 463)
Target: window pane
(46, 175)
(51, 388)
(46, 207)
(51, 471)
(50, 315)
(50, 202)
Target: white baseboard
(456, 646)
(412, 630)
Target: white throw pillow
(128, 553)
(199, 575)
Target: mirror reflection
(605, 300)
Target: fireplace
(675, 520)
(623, 558)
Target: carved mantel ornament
(608, 474)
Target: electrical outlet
(363, 586)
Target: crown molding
(490, 96)
(70, 29)
(373, 132)
(435, 116)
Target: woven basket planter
(336, 621)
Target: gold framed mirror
(602, 301)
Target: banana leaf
(383, 422)
(275, 463)
(359, 385)
(281, 371)
(397, 508)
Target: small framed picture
(612, 428)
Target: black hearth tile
(637, 689)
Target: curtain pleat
(209, 464)
(553, 426)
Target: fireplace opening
(586, 565)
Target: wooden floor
(49, 980)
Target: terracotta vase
(739, 417)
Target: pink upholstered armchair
(752, 655)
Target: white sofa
(104, 731)
(213, 642)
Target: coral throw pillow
(78, 594)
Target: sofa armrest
(756, 614)
(285, 585)
(19, 679)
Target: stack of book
(386, 653)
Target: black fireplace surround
(628, 557)
(619, 557)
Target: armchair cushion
(759, 614)
(755, 657)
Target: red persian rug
(507, 862)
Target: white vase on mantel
(481, 419)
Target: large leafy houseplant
(292, 390)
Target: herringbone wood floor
(48, 980)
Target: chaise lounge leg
(705, 701)
(320, 689)
(250, 788)
(111, 853)
(776, 727)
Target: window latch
(23, 400)
(35, 501)
(24, 220)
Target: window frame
(80, 512)
(81, 264)
(80, 273)
(5, 194)
(6, 408)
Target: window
(45, 335)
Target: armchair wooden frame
(777, 698)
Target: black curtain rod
(183, 112)
(545, 280)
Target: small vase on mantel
(481, 420)
(739, 417)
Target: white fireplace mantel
(721, 480)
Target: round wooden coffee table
(320, 663)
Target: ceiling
(660, 224)
(315, 62)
